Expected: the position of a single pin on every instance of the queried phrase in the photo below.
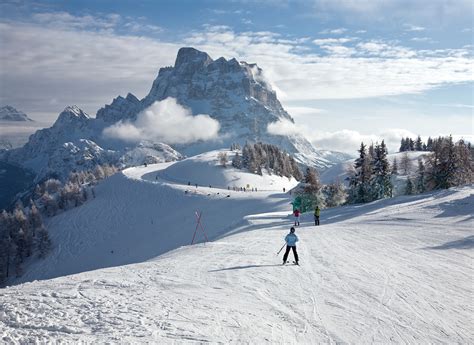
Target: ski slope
(393, 271)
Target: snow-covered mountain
(393, 270)
(234, 93)
(75, 142)
(8, 113)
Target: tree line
(259, 156)
(23, 233)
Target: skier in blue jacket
(291, 240)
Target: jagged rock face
(121, 109)
(234, 93)
(8, 113)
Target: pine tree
(463, 164)
(418, 144)
(411, 144)
(395, 166)
(44, 243)
(405, 163)
(35, 219)
(420, 179)
(409, 190)
(237, 161)
(312, 183)
(5, 245)
(402, 145)
(429, 144)
(335, 194)
(359, 182)
(381, 185)
(21, 222)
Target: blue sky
(346, 70)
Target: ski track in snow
(394, 271)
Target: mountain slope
(8, 113)
(140, 214)
(390, 271)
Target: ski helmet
(292, 230)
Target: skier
(317, 212)
(291, 240)
(296, 212)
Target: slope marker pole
(199, 225)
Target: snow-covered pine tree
(429, 144)
(237, 161)
(359, 183)
(420, 178)
(21, 222)
(381, 184)
(49, 203)
(409, 188)
(464, 167)
(405, 163)
(52, 185)
(402, 145)
(335, 194)
(395, 166)
(418, 144)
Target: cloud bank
(167, 122)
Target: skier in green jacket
(317, 212)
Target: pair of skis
(287, 262)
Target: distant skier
(291, 240)
(317, 212)
(296, 213)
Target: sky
(346, 70)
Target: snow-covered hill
(393, 271)
(9, 113)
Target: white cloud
(345, 140)
(283, 127)
(348, 141)
(296, 111)
(410, 27)
(338, 31)
(65, 20)
(168, 122)
(90, 67)
(421, 39)
(326, 41)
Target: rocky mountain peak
(9, 113)
(72, 118)
(188, 55)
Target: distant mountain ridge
(9, 113)
(236, 94)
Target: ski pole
(281, 249)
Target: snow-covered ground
(393, 271)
